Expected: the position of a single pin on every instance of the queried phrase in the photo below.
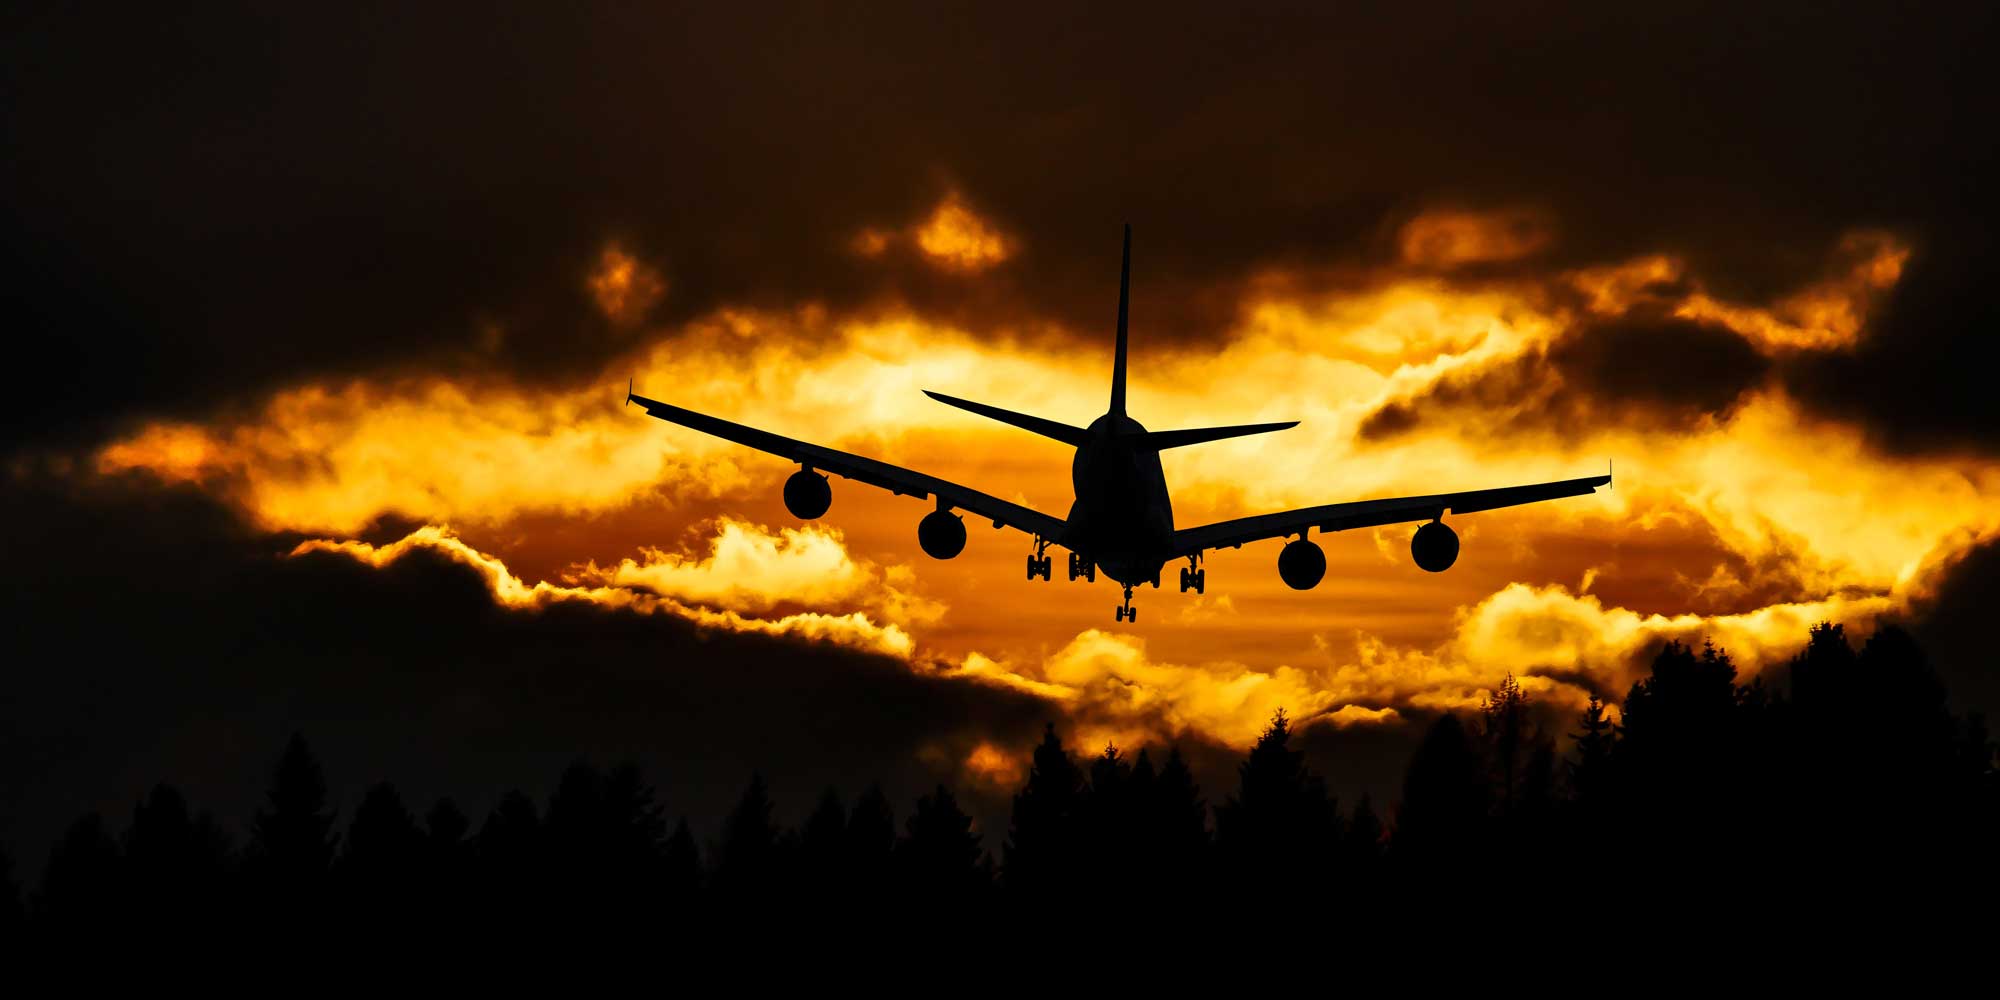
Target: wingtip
(628, 390)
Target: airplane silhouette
(1122, 520)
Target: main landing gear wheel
(1081, 567)
(1195, 580)
(1128, 613)
(1039, 563)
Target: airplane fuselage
(1122, 519)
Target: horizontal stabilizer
(1196, 435)
(1027, 422)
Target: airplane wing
(893, 478)
(1371, 513)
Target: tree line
(1854, 776)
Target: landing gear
(1081, 567)
(1039, 563)
(1194, 577)
(1128, 613)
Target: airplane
(1122, 521)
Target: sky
(323, 320)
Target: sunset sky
(322, 325)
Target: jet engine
(1434, 547)
(941, 534)
(807, 495)
(1302, 564)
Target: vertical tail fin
(1124, 308)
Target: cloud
(852, 629)
(1445, 238)
(625, 288)
(955, 237)
(751, 568)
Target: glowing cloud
(749, 568)
(853, 629)
(956, 238)
(624, 287)
(1447, 239)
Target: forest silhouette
(1846, 773)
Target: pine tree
(823, 847)
(1110, 823)
(746, 860)
(1442, 818)
(1589, 771)
(683, 866)
(1044, 844)
(1181, 812)
(383, 851)
(1280, 824)
(173, 861)
(292, 840)
(1508, 736)
(511, 858)
(941, 856)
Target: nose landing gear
(1128, 613)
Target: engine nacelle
(1434, 547)
(941, 534)
(807, 495)
(1302, 564)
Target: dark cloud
(1920, 380)
(1956, 629)
(1656, 372)
(174, 645)
(202, 201)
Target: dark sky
(203, 206)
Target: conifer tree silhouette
(941, 859)
(683, 864)
(447, 875)
(1110, 829)
(823, 855)
(292, 841)
(746, 860)
(175, 864)
(1045, 841)
(1589, 770)
(1442, 818)
(511, 860)
(381, 857)
(1181, 813)
(1683, 763)
(871, 838)
(1280, 826)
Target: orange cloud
(625, 288)
(854, 629)
(1828, 314)
(957, 238)
(750, 568)
(1448, 238)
